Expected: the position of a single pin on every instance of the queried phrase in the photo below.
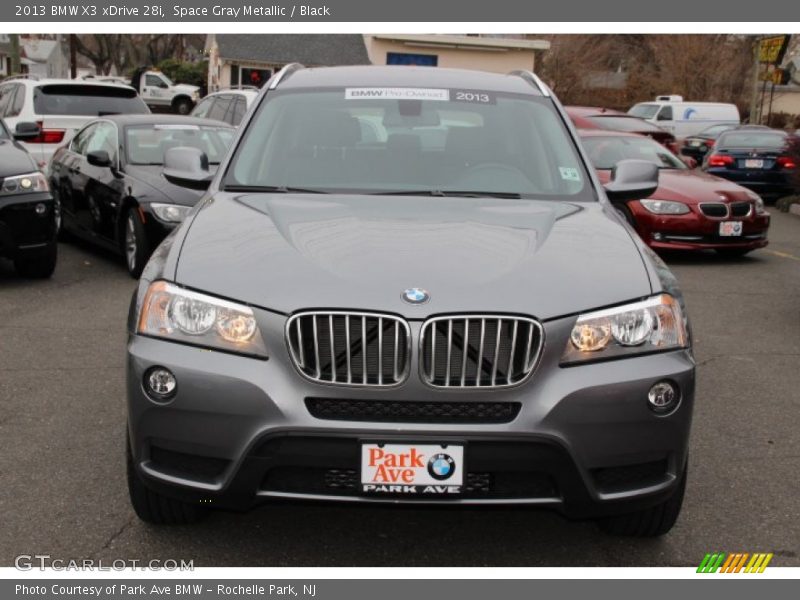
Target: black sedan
(28, 219)
(757, 159)
(109, 183)
(697, 146)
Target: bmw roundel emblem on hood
(416, 296)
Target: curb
(794, 209)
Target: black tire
(135, 245)
(733, 252)
(650, 522)
(155, 508)
(183, 106)
(38, 266)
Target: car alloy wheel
(131, 243)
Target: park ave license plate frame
(412, 469)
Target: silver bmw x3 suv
(407, 285)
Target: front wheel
(135, 243)
(183, 106)
(156, 508)
(650, 522)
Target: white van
(683, 119)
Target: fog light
(40, 209)
(658, 237)
(160, 384)
(663, 397)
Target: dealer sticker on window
(569, 173)
(397, 94)
(423, 469)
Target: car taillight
(47, 136)
(720, 160)
(786, 162)
(710, 143)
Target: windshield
(619, 123)
(752, 139)
(644, 111)
(395, 140)
(605, 152)
(146, 144)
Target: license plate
(753, 163)
(412, 469)
(695, 143)
(730, 228)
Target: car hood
(692, 186)
(14, 160)
(185, 88)
(293, 252)
(161, 190)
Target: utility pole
(16, 66)
(73, 56)
(755, 117)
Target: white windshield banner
(397, 94)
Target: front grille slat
(500, 350)
(347, 348)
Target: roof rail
(284, 74)
(534, 80)
(228, 88)
(21, 76)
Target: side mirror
(632, 179)
(187, 167)
(98, 158)
(26, 130)
(163, 85)
(689, 162)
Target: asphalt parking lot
(62, 426)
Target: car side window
(78, 143)
(104, 137)
(6, 97)
(665, 114)
(237, 111)
(153, 81)
(202, 109)
(220, 108)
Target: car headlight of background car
(169, 213)
(664, 207)
(24, 184)
(651, 325)
(174, 313)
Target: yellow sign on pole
(771, 49)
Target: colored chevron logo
(737, 562)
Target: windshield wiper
(274, 189)
(450, 193)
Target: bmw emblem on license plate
(416, 296)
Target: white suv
(60, 107)
(228, 106)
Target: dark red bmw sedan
(690, 210)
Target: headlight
(173, 313)
(170, 213)
(648, 326)
(24, 184)
(760, 208)
(664, 207)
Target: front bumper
(695, 231)
(23, 231)
(239, 430)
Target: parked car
(60, 107)
(756, 159)
(109, 185)
(585, 117)
(684, 119)
(697, 146)
(228, 106)
(162, 94)
(28, 215)
(690, 210)
(372, 314)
